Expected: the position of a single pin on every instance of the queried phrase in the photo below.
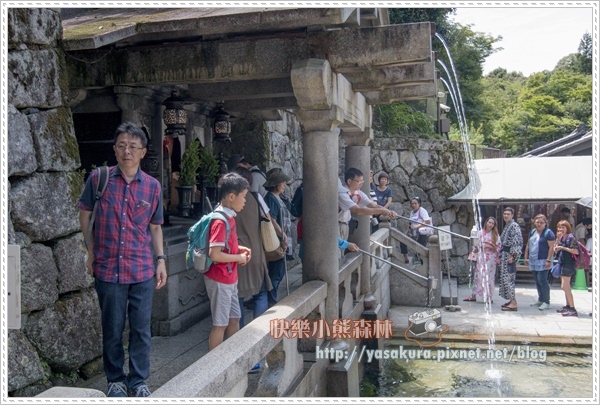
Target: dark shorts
(567, 271)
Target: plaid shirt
(122, 239)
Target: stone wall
(61, 329)
(432, 170)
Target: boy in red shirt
(221, 278)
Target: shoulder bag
(271, 243)
(267, 230)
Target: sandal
(509, 309)
(505, 304)
(470, 299)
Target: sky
(534, 39)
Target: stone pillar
(326, 101)
(320, 229)
(435, 269)
(359, 157)
(320, 117)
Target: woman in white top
(418, 217)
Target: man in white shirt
(352, 201)
(581, 230)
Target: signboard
(444, 237)
(13, 279)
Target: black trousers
(421, 239)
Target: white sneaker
(544, 306)
(536, 304)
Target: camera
(425, 321)
(445, 108)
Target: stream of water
(456, 97)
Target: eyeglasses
(358, 181)
(133, 149)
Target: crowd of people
(543, 251)
(123, 228)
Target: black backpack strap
(103, 172)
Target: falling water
(456, 96)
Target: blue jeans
(116, 302)
(543, 288)
(276, 274)
(260, 304)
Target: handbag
(268, 235)
(511, 267)
(555, 271)
(271, 243)
(426, 230)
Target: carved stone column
(311, 80)
(359, 157)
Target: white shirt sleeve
(263, 204)
(345, 203)
(424, 214)
(364, 199)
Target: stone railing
(223, 372)
(410, 289)
(349, 284)
(379, 248)
(293, 368)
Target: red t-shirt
(218, 271)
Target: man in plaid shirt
(127, 225)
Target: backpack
(296, 206)
(257, 170)
(582, 260)
(197, 255)
(103, 172)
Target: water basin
(465, 370)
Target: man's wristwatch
(164, 257)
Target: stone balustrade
(407, 289)
(223, 371)
(293, 369)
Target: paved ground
(473, 322)
(170, 355)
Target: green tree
(586, 54)
(467, 47)
(400, 119)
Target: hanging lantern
(221, 125)
(174, 116)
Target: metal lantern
(174, 116)
(221, 125)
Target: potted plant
(208, 171)
(190, 161)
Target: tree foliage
(503, 109)
(401, 119)
(468, 49)
(540, 108)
